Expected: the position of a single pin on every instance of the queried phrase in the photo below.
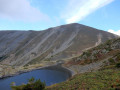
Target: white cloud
(20, 10)
(76, 10)
(114, 32)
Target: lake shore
(58, 67)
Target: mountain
(19, 48)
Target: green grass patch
(31, 85)
(105, 79)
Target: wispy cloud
(20, 10)
(76, 10)
(114, 32)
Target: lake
(50, 75)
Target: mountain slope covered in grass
(107, 79)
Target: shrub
(88, 54)
(111, 61)
(118, 65)
(118, 57)
(31, 85)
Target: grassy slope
(105, 79)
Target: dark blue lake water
(49, 76)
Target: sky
(43, 14)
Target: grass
(104, 79)
(31, 85)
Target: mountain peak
(54, 43)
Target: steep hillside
(105, 79)
(106, 56)
(29, 47)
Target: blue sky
(42, 14)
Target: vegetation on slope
(111, 48)
(31, 85)
(107, 78)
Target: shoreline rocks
(56, 66)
